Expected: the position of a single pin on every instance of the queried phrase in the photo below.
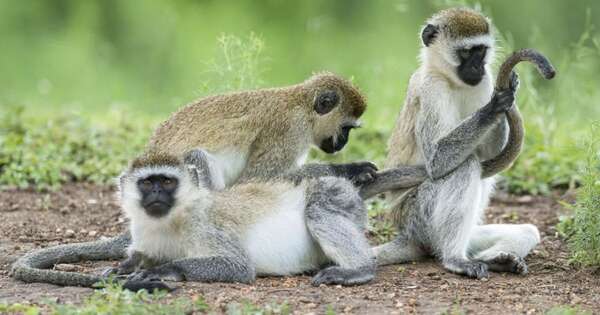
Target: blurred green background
(154, 56)
(105, 63)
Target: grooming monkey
(456, 124)
(265, 133)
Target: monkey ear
(429, 33)
(326, 102)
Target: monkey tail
(32, 267)
(511, 151)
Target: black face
(329, 146)
(472, 64)
(158, 194)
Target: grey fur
(335, 217)
(393, 179)
(442, 216)
(358, 172)
(446, 154)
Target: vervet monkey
(455, 124)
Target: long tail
(32, 267)
(511, 151)
(394, 179)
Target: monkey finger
(364, 178)
(137, 276)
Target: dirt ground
(84, 212)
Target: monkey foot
(339, 275)
(508, 262)
(469, 268)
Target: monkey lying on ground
(183, 229)
(264, 134)
(450, 124)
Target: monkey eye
(145, 184)
(169, 183)
(464, 53)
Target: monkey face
(158, 194)
(334, 144)
(472, 64)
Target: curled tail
(32, 267)
(511, 150)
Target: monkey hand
(145, 280)
(144, 275)
(502, 101)
(359, 173)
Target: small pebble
(69, 233)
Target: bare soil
(80, 212)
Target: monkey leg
(202, 269)
(503, 247)
(336, 219)
(453, 205)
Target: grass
(44, 154)
(582, 229)
(567, 310)
(114, 300)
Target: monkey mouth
(329, 146)
(157, 208)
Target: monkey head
(156, 185)
(459, 43)
(335, 106)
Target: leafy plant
(114, 300)
(583, 228)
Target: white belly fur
(281, 243)
(226, 166)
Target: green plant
(381, 228)
(112, 299)
(47, 153)
(238, 65)
(583, 228)
(567, 310)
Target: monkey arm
(495, 141)
(357, 172)
(133, 261)
(201, 269)
(445, 153)
(401, 177)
